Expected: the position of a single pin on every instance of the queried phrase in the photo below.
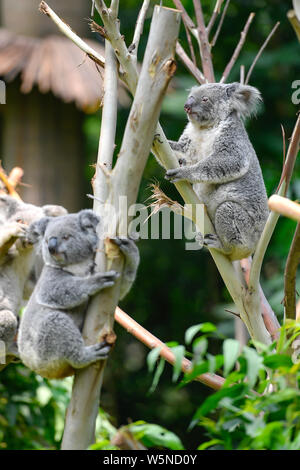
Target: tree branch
(285, 206)
(238, 49)
(139, 29)
(131, 326)
(260, 52)
(189, 64)
(290, 276)
(216, 35)
(67, 31)
(214, 16)
(206, 59)
(157, 70)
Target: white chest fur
(202, 140)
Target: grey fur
(50, 340)
(221, 163)
(17, 259)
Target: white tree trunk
(158, 67)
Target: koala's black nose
(52, 245)
(188, 105)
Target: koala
(217, 157)
(17, 261)
(50, 340)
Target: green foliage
(258, 407)
(31, 409)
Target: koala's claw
(212, 241)
(174, 175)
(125, 244)
(101, 350)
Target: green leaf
(178, 352)
(193, 330)
(212, 402)
(254, 364)
(278, 360)
(153, 435)
(152, 358)
(231, 351)
(207, 444)
(157, 375)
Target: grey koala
(216, 155)
(17, 261)
(50, 340)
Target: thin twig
(294, 22)
(133, 48)
(205, 53)
(212, 380)
(189, 64)
(285, 207)
(216, 35)
(185, 17)
(290, 276)
(238, 49)
(214, 16)
(260, 52)
(67, 31)
(190, 43)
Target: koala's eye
(66, 237)
(204, 99)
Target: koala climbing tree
(124, 178)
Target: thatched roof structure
(54, 64)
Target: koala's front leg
(132, 259)
(70, 291)
(9, 233)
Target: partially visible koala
(50, 340)
(216, 155)
(17, 260)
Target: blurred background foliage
(175, 288)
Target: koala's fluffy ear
(37, 229)
(54, 211)
(244, 98)
(88, 219)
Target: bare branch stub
(238, 49)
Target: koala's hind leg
(8, 331)
(60, 341)
(235, 230)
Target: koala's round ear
(37, 229)
(244, 98)
(88, 219)
(54, 211)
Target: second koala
(50, 340)
(218, 158)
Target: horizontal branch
(285, 206)
(131, 326)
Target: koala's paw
(175, 174)
(99, 351)
(126, 245)
(12, 230)
(212, 241)
(108, 279)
